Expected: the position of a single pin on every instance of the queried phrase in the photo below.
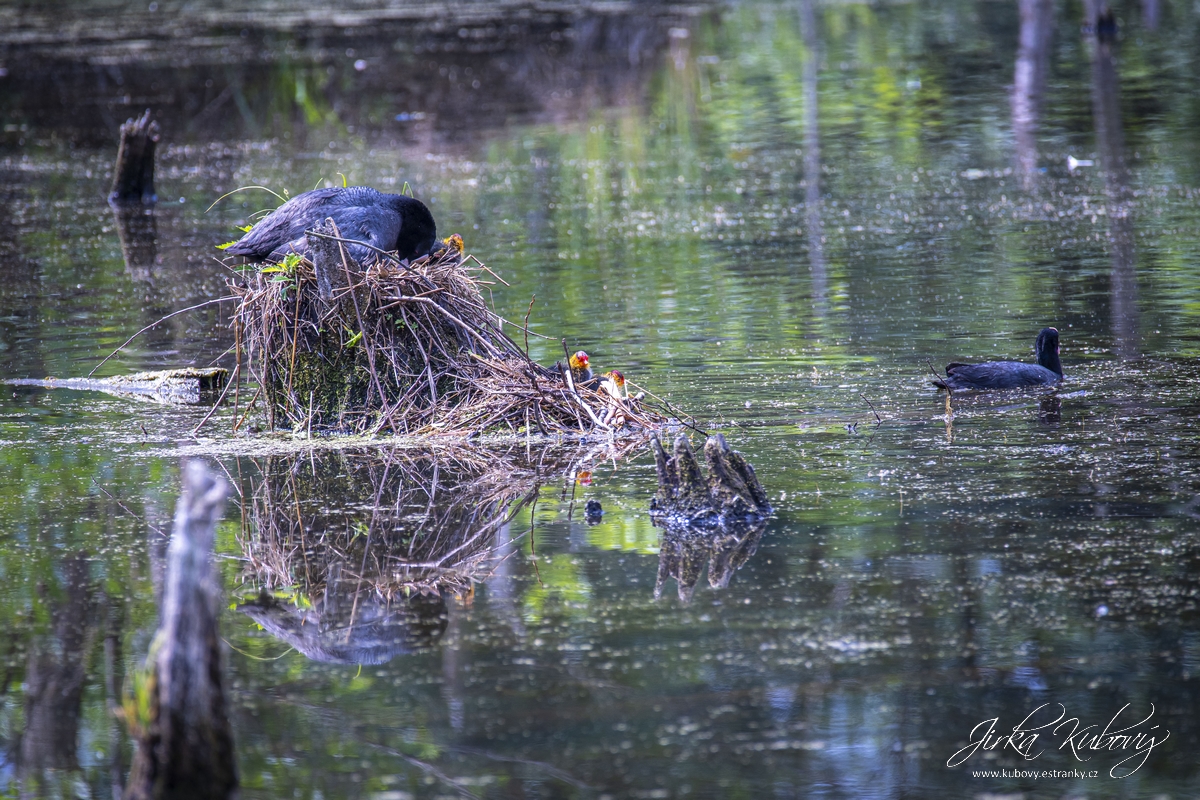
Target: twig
(124, 508)
(526, 326)
(224, 392)
(878, 419)
(532, 549)
(425, 766)
(156, 323)
(679, 415)
(295, 339)
(249, 408)
(945, 384)
(237, 370)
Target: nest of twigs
(401, 348)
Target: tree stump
(730, 494)
(185, 747)
(133, 176)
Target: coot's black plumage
(1009, 374)
(391, 222)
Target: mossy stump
(731, 493)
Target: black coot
(387, 221)
(1009, 374)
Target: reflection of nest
(342, 628)
(684, 550)
(398, 521)
(366, 545)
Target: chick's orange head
(616, 377)
(454, 242)
(579, 360)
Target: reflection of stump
(684, 550)
(185, 747)
(731, 492)
(138, 230)
(133, 176)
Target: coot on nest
(391, 222)
(1008, 374)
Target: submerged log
(730, 494)
(133, 176)
(185, 746)
(187, 386)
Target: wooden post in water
(185, 748)
(133, 176)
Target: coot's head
(1046, 347)
(579, 360)
(418, 231)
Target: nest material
(406, 349)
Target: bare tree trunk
(185, 749)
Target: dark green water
(691, 218)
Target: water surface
(783, 269)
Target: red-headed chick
(614, 383)
(580, 372)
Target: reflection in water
(406, 71)
(1110, 141)
(1029, 82)
(812, 160)
(1050, 409)
(54, 678)
(349, 624)
(684, 551)
(138, 229)
(355, 553)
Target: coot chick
(1008, 374)
(391, 222)
(581, 373)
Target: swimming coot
(391, 222)
(1008, 374)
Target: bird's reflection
(1050, 409)
(356, 554)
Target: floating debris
(187, 386)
